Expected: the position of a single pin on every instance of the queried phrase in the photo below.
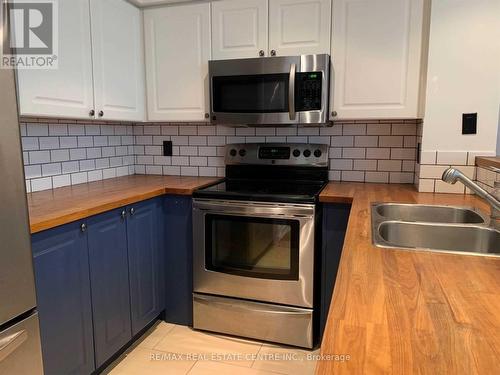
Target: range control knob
(317, 153)
(307, 153)
(243, 152)
(296, 153)
(232, 152)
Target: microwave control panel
(308, 91)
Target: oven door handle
(242, 308)
(291, 91)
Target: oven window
(263, 93)
(254, 247)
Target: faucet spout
(452, 175)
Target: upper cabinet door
(376, 56)
(177, 49)
(299, 27)
(239, 29)
(117, 46)
(66, 91)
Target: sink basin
(428, 213)
(440, 237)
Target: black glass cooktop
(263, 190)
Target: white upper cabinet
(66, 91)
(177, 49)
(376, 55)
(239, 29)
(117, 45)
(299, 27)
(100, 65)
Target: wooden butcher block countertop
(50, 208)
(409, 312)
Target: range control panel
(302, 154)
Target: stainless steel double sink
(452, 229)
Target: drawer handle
(83, 227)
(123, 214)
(132, 211)
(209, 301)
(10, 343)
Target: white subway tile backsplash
(76, 129)
(353, 153)
(58, 129)
(77, 154)
(51, 169)
(342, 141)
(70, 167)
(49, 143)
(95, 175)
(99, 151)
(452, 158)
(33, 171)
(354, 129)
(59, 155)
(37, 130)
(38, 184)
(365, 141)
(68, 142)
(378, 153)
(428, 157)
(61, 180)
(189, 171)
(389, 165)
(377, 177)
(39, 157)
(355, 176)
(108, 173)
(30, 143)
(390, 141)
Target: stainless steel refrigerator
(20, 350)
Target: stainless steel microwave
(270, 90)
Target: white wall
(463, 75)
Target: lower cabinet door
(61, 267)
(107, 240)
(144, 232)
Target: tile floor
(172, 349)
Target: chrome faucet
(452, 175)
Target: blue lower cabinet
(179, 260)
(144, 235)
(108, 259)
(61, 265)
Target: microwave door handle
(291, 92)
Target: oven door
(266, 91)
(253, 250)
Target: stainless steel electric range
(255, 243)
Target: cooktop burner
(294, 173)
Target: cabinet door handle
(334, 113)
(207, 115)
(123, 214)
(261, 53)
(83, 227)
(101, 113)
(273, 52)
(132, 211)
(91, 113)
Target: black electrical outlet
(469, 123)
(167, 148)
